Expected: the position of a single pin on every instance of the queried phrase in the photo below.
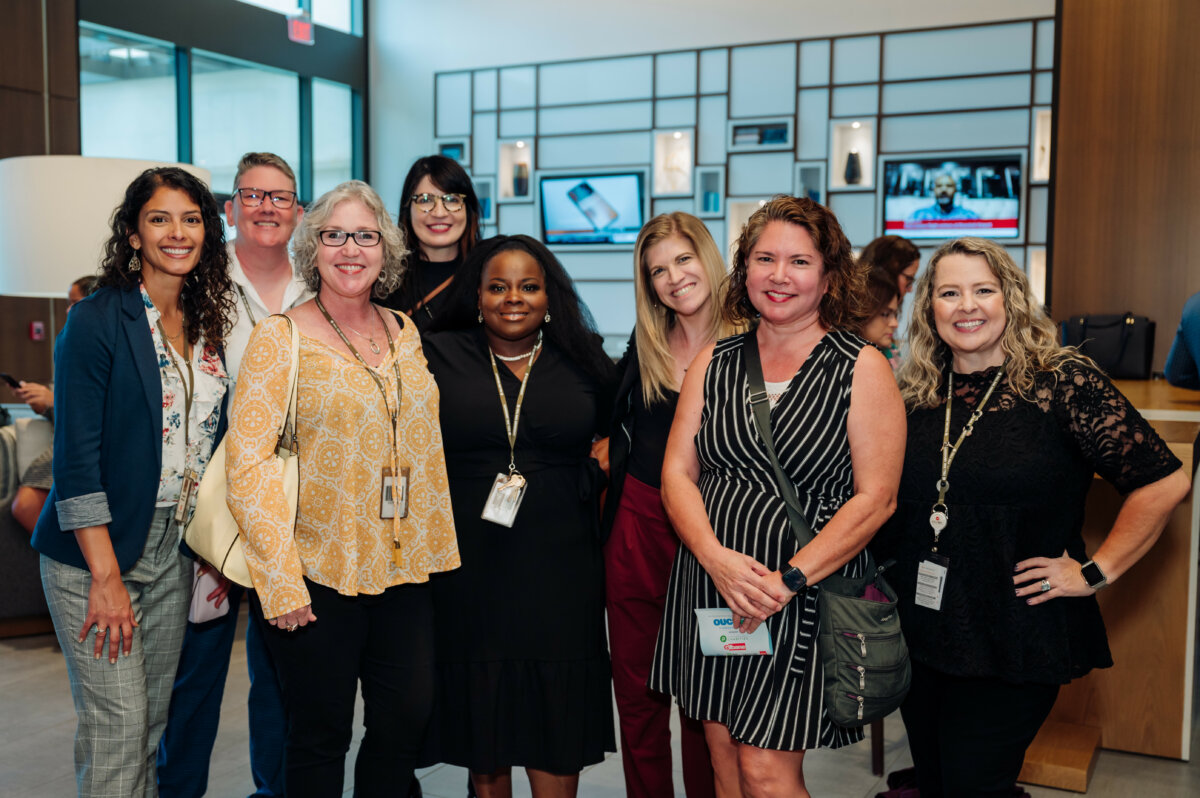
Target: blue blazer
(107, 430)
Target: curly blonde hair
(1029, 342)
(655, 320)
(844, 305)
(306, 242)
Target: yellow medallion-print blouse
(344, 435)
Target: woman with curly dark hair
(140, 390)
(838, 426)
(522, 666)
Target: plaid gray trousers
(122, 708)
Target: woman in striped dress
(838, 426)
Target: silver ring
(1045, 585)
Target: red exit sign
(300, 28)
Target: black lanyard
(395, 414)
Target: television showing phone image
(948, 196)
(596, 209)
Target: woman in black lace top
(996, 588)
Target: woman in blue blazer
(140, 403)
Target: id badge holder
(393, 493)
(504, 499)
(931, 580)
(187, 496)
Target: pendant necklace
(370, 340)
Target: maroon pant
(637, 560)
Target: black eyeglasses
(364, 238)
(453, 203)
(253, 197)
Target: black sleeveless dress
(773, 701)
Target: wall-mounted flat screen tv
(592, 208)
(948, 196)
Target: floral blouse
(210, 384)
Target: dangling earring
(481, 317)
(135, 264)
(547, 319)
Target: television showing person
(945, 188)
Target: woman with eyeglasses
(883, 297)
(343, 597)
(439, 214)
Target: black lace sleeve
(1120, 444)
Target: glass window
(239, 107)
(126, 96)
(332, 134)
(336, 14)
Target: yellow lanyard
(510, 427)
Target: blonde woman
(679, 284)
(1029, 423)
(343, 598)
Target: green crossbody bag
(861, 647)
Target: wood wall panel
(1127, 175)
(22, 131)
(21, 45)
(62, 26)
(19, 356)
(64, 126)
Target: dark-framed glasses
(253, 197)
(453, 203)
(364, 238)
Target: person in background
(679, 289)
(883, 308)
(264, 211)
(838, 427)
(523, 670)
(342, 595)
(945, 188)
(1183, 361)
(141, 390)
(898, 256)
(1006, 430)
(38, 478)
(439, 214)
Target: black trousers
(386, 643)
(968, 735)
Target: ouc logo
(723, 622)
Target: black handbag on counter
(1122, 344)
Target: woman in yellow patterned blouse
(346, 593)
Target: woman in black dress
(1005, 431)
(523, 671)
(439, 214)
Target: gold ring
(293, 628)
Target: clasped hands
(751, 590)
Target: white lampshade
(54, 217)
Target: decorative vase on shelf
(520, 179)
(853, 173)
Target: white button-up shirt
(294, 294)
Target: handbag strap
(286, 441)
(760, 409)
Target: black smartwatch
(794, 579)
(1092, 574)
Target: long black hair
(207, 296)
(571, 328)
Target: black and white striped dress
(773, 701)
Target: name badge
(187, 496)
(719, 637)
(393, 494)
(504, 499)
(931, 581)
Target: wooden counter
(1143, 704)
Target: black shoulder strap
(760, 408)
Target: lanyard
(940, 514)
(378, 381)
(246, 304)
(510, 427)
(188, 384)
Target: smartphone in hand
(12, 381)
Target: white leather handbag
(212, 533)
